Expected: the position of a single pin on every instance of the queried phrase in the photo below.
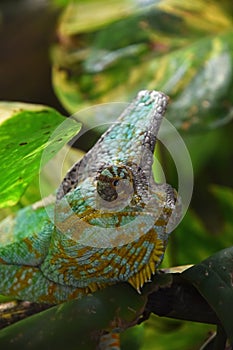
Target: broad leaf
(224, 196)
(213, 278)
(77, 324)
(177, 48)
(25, 132)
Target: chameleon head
(111, 217)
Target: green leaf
(166, 334)
(224, 196)
(178, 48)
(213, 278)
(190, 243)
(133, 338)
(76, 324)
(193, 233)
(25, 132)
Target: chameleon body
(110, 218)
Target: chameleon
(110, 218)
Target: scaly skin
(110, 218)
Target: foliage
(184, 50)
(214, 279)
(89, 315)
(25, 131)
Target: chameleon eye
(115, 183)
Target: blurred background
(71, 55)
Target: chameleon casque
(110, 218)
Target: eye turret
(115, 184)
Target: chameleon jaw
(142, 276)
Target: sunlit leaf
(25, 132)
(165, 334)
(185, 50)
(133, 338)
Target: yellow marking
(144, 275)
(148, 272)
(29, 244)
(93, 287)
(152, 267)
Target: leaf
(224, 196)
(185, 50)
(213, 278)
(166, 334)
(75, 324)
(202, 102)
(191, 242)
(25, 132)
(82, 321)
(192, 238)
(133, 338)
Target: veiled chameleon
(110, 218)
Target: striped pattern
(110, 220)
